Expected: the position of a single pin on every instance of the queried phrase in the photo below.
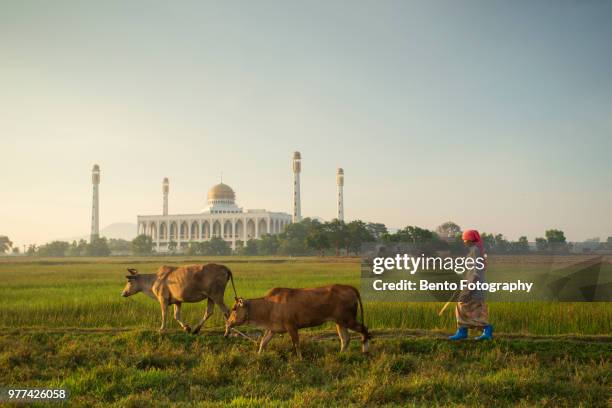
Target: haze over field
(495, 115)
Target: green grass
(143, 368)
(85, 292)
(63, 323)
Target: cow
(173, 285)
(284, 310)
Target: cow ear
(132, 271)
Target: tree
(5, 244)
(194, 248)
(32, 248)
(496, 244)
(554, 235)
(377, 230)
(77, 248)
(16, 251)
(556, 240)
(204, 248)
(357, 234)
(541, 244)
(250, 248)
(142, 245)
(239, 245)
(98, 247)
(521, 246)
(415, 235)
(338, 236)
(120, 245)
(317, 238)
(292, 241)
(449, 230)
(488, 240)
(54, 248)
(386, 237)
(267, 245)
(219, 247)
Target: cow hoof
(187, 329)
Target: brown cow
(287, 310)
(173, 285)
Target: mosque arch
(239, 233)
(195, 230)
(184, 233)
(250, 228)
(163, 231)
(216, 230)
(205, 230)
(153, 231)
(173, 231)
(227, 229)
(262, 228)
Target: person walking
(471, 310)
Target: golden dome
(221, 192)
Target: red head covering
(473, 236)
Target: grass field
(64, 323)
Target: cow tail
(231, 277)
(367, 333)
(360, 308)
(360, 305)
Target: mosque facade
(222, 218)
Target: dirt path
(311, 335)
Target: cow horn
(132, 271)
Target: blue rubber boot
(462, 333)
(487, 333)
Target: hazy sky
(496, 115)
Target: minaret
(95, 207)
(340, 182)
(166, 190)
(297, 168)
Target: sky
(496, 115)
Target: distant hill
(123, 230)
(117, 230)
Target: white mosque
(222, 217)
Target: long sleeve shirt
(472, 275)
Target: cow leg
(345, 338)
(177, 317)
(224, 309)
(265, 340)
(219, 302)
(164, 307)
(295, 338)
(365, 334)
(210, 307)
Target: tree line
(311, 237)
